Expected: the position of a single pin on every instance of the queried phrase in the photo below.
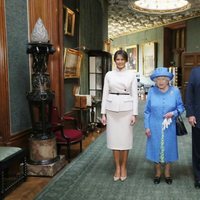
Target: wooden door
(189, 61)
(174, 46)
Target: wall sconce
(82, 48)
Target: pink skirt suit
(119, 103)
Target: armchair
(65, 136)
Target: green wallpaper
(193, 35)
(17, 38)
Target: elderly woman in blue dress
(163, 105)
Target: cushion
(68, 118)
(5, 152)
(71, 134)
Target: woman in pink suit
(119, 111)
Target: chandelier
(159, 6)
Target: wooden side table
(82, 116)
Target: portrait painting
(132, 52)
(69, 21)
(149, 51)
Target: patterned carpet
(90, 176)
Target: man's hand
(192, 120)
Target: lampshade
(159, 6)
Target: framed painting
(69, 21)
(107, 45)
(149, 57)
(113, 50)
(72, 63)
(132, 52)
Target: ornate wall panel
(4, 107)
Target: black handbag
(180, 126)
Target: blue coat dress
(157, 105)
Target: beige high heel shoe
(123, 178)
(116, 178)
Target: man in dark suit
(193, 115)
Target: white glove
(166, 122)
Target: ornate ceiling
(122, 20)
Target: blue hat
(161, 71)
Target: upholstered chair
(66, 136)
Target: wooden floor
(33, 185)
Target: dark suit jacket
(193, 95)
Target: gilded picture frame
(72, 63)
(107, 45)
(132, 52)
(69, 21)
(149, 57)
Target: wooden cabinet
(189, 61)
(99, 62)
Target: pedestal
(48, 169)
(43, 151)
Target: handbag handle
(179, 114)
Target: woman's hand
(169, 115)
(133, 120)
(103, 119)
(148, 132)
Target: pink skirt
(119, 131)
